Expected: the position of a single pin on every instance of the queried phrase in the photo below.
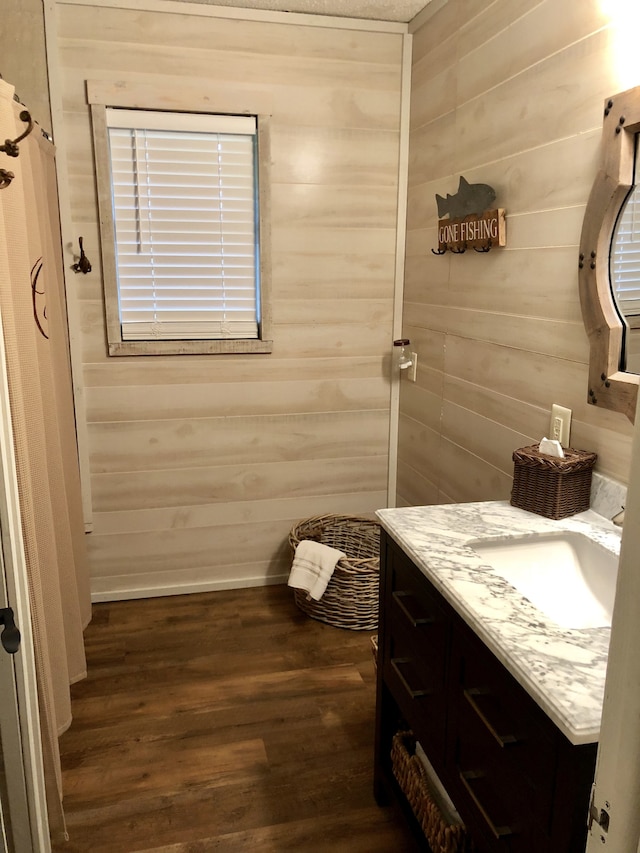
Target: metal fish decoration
(470, 198)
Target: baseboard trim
(120, 589)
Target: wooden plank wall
(510, 94)
(200, 465)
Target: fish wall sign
(472, 222)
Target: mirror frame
(609, 387)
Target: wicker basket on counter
(551, 486)
(443, 834)
(351, 597)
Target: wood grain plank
(124, 26)
(486, 137)
(491, 55)
(231, 400)
(200, 370)
(187, 487)
(235, 512)
(471, 478)
(347, 156)
(414, 489)
(419, 447)
(222, 66)
(188, 442)
(550, 337)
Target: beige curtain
(33, 324)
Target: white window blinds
(625, 257)
(185, 216)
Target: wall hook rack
(84, 264)
(11, 148)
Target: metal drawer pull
(398, 595)
(415, 694)
(498, 831)
(503, 740)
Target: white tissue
(551, 447)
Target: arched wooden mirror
(610, 309)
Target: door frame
(20, 718)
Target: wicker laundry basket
(351, 597)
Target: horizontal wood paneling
(151, 403)
(165, 370)
(507, 93)
(260, 481)
(227, 35)
(201, 442)
(522, 38)
(199, 466)
(288, 509)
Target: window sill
(220, 347)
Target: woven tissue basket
(549, 486)
(351, 597)
(443, 833)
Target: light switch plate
(560, 427)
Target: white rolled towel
(313, 566)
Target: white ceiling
(376, 10)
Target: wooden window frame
(116, 345)
(610, 387)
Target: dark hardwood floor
(224, 721)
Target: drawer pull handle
(415, 694)
(398, 595)
(469, 694)
(498, 831)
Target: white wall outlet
(560, 428)
(413, 370)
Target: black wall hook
(439, 251)
(11, 149)
(84, 264)
(10, 636)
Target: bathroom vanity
(504, 700)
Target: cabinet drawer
(495, 822)
(415, 605)
(420, 696)
(507, 726)
(416, 653)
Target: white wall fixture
(401, 355)
(560, 427)
(412, 373)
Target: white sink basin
(566, 575)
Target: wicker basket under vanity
(551, 486)
(351, 597)
(443, 833)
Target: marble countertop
(563, 670)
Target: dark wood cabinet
(518, 783)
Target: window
(625, 257)
(182, 231)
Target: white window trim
(119, 347)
